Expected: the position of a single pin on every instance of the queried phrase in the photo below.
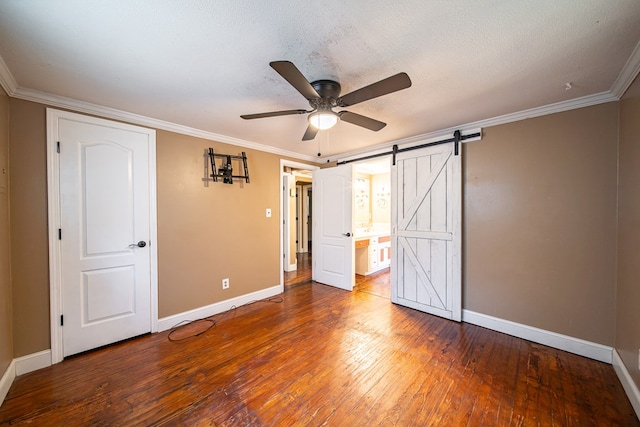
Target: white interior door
(426, 238)
(333, 244)
(105, 230)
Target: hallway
(378, 284)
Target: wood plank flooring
(323, 356)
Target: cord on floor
(213, 322)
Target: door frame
(303, 215)
(53, 203)
(296, 165)
(287, 265)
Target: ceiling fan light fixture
(322, 120)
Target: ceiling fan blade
(310, 133)
(365, 122)
(390, 84)
(295, 78)
(272, 114)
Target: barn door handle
(140, 244)
(346, 234)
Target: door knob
(140, 244)
(346, 234)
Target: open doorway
(371, 225)
(296, 221)
(425, 203)
(372, 222)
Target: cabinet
(372, 254)
(384, 251)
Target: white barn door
(426, 239)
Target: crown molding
(115, 114)
(628, 74)
(7, 81)
(558, 107)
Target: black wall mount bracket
(225, 171)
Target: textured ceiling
(201, 63)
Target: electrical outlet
(225, 283)
(268, 213)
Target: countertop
(362, 234)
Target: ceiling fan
(324, 95)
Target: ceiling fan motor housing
(328, 90)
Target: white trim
(628, 384)
(153, 232)
(120, 115)
(53, 203)
(6, 78)
(20, 366)
(562, 342)
(33, 362)
(558, 107)
(292, 267)
(627, 74)
(6, 380)
(169, 322)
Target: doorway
(424, 251)
(102, 232)
(372, 227)
(296, 217)
(372, 218)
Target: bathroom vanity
(373, 252)
(372, 215)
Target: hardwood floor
(376, 284)
(323, 356)
(303, 272)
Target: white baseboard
(563, 342)
(169, 322)
(33, 362)
(6, 380)
(630, 387)
(23, 365)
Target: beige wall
(6, 316)
(205, 233)
(628, 292)
(29, 243)
(539, 224)
(380, 200)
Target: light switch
(268, 213)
